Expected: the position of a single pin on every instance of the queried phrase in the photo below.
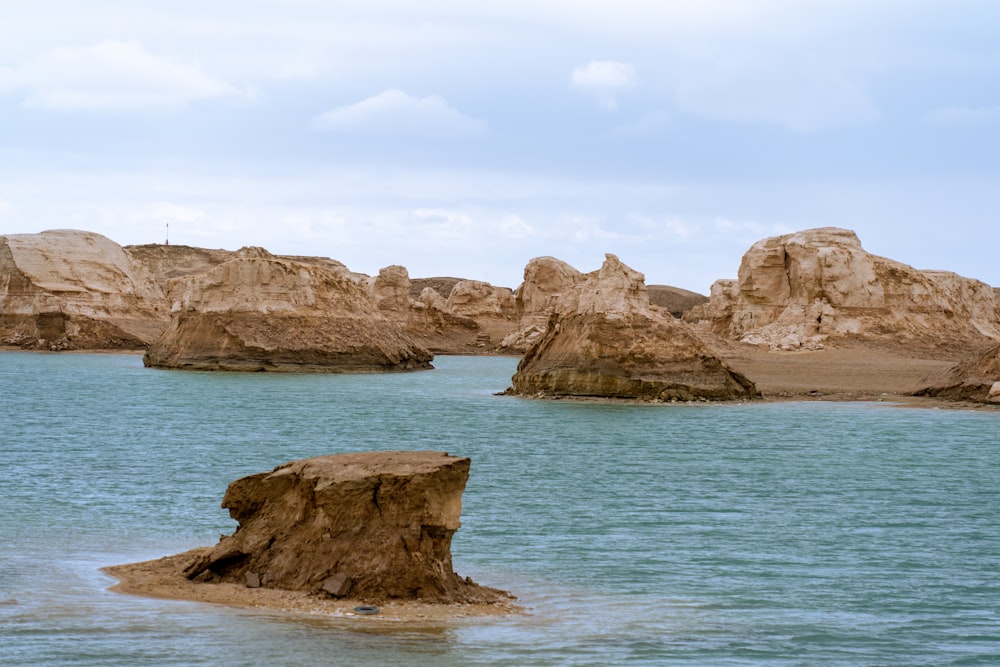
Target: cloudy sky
(464, 138)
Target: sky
(465, 138)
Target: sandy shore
(842, 372)
(163, 578)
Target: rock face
(261, 312)
(802, 289)
(546, 279)
(605, 340)
(974, 379)
(475, 298)
(370, 526)
(67, 289)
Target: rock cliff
(372, 526)
(546, 279)
(605, 340)
(977, 378)
(804, 289)
(262, 312)
(428, 320)
(67, 289)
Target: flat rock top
(359, 465)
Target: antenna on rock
(168, 234)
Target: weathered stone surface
(68, 289)
(261, 312)
(166, 262)
(546, 279)
(391, 291)
(605, 340)
(804, 289)
(674, 299)
(475, 298)
(977, 378)
(373, 525)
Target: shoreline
(163, 578)
(853, 372)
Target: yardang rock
(371, 525)
(605, 340)
(802, 289)
(67, 289)
(261, 312)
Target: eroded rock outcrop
(800, 290)
(605, 340)
(373, 526)
(546, 279)
(68, 289)
(262, 312)
(977, 379)
(427, 319)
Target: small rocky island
(259, 312)
(331, 532)
(605, 340)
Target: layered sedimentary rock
(67, 289)
(674, 299)
(262, 312)
(604, 339)
(977, 378)
(374, 525)
(427, 319)
(475, 298)
(166, 262)
(546, 279)
(802, 289)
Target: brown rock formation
(441, 285)
(166, 262)
(427, 319)
(605, 340)
(67, 289)
(391, 290)
(546, 279)
(802, 289)
(373, 526)
(477, 299)
(977, 378)
(261, 312)
(674, 299)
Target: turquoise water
(771, 534)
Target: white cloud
(964, 116)
(604, 79)
(113, 75)
(395, 112)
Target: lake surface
(770, 534)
